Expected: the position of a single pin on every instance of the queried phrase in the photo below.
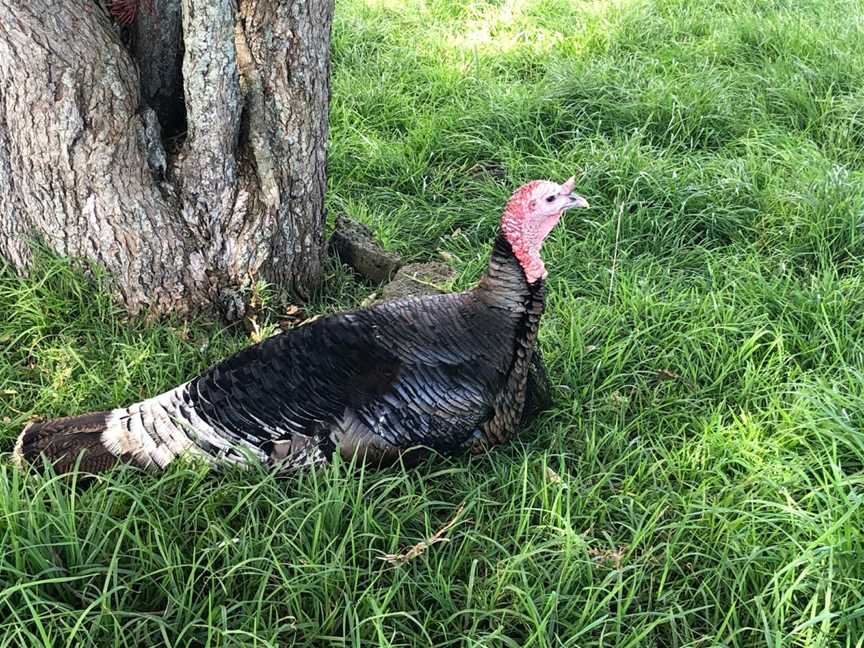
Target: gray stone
(355, 245)
(417, 279)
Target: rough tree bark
(186, 155)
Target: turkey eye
(550, 199)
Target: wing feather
(389, 376)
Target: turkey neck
(504, 284)
(505, 289)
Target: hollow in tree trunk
(184, 153)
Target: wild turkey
(438, 373)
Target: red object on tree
(126, 10)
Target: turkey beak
(575, 199)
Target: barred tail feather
(151, 433)
(63, 441)
(148, 434)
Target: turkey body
(439, 373)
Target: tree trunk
(186, 157)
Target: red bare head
(531, 213)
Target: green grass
(705, 333)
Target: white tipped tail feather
(149, 434)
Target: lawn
(699, 480)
